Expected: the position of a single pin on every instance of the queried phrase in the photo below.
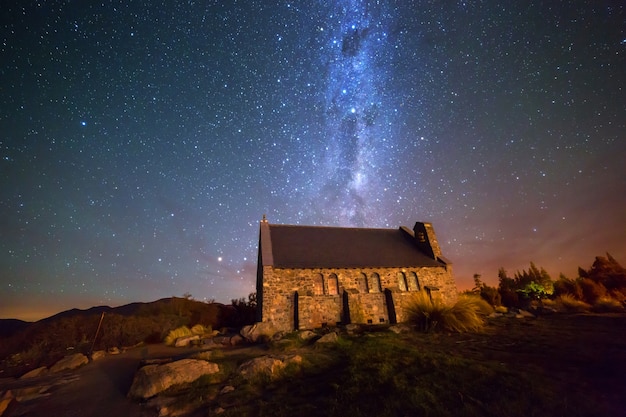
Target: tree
(487, 293)
(506, 288)
(608, 272)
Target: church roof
(288, 246)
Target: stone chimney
(426, 239)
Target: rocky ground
(586, 353)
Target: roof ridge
(333, 227)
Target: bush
(592, 291)
(509, 298)
(491, 295)
(200, 330)
(466, 315)
(570, 304)
(182, 331)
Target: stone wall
(311, 298)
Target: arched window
(402, 281)
(318, 284)
(361, 282)
(413, 283)
(375, 283)
(333, 285)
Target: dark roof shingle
(341, 247)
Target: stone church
(310, 276)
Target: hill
(8, 327)
(28, 345)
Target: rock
(400, 328)
(328, 338)
(208, 343)
(113, 351)
(222, 340)
(98, 354)
(186, 340)
(35, 373)
(252, 332)
(227, 389)
(153, 379)
(526, 314)
(307, 335)
(352, 328)
(268, 365)
(218, 410)
(278, 336)
(5, 401)
(236, 340)
(70, 362)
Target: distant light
(219, 259)
(83, 123)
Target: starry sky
(141, 142)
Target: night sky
(142, 142)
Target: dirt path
(97, 389)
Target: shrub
(592, 291)
(200, 330)
(182, 331)
(491, 295)
(569, 303)
(509, 298)
(608, 305)
(467, 314)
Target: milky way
(142, 143)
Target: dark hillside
(45, 341)
(8, 327)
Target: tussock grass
(608, 305)
(200, 330)
(182, 331)
(466, 315)
(570, 304)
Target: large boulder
(253, 332)
(153, 379)
(70, 362)
(37, 372)
(267, 365)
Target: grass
(466, 315)
(570, 304)
(178, 332)
(608, 305)
(561, 365)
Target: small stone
(306, 335)
(98, 354)
(227, 389)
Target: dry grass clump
(179, 332)
(466, 315)
(608, 305)
(184, 331)
(570, 304)
(201, 330)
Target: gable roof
(288, 246)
